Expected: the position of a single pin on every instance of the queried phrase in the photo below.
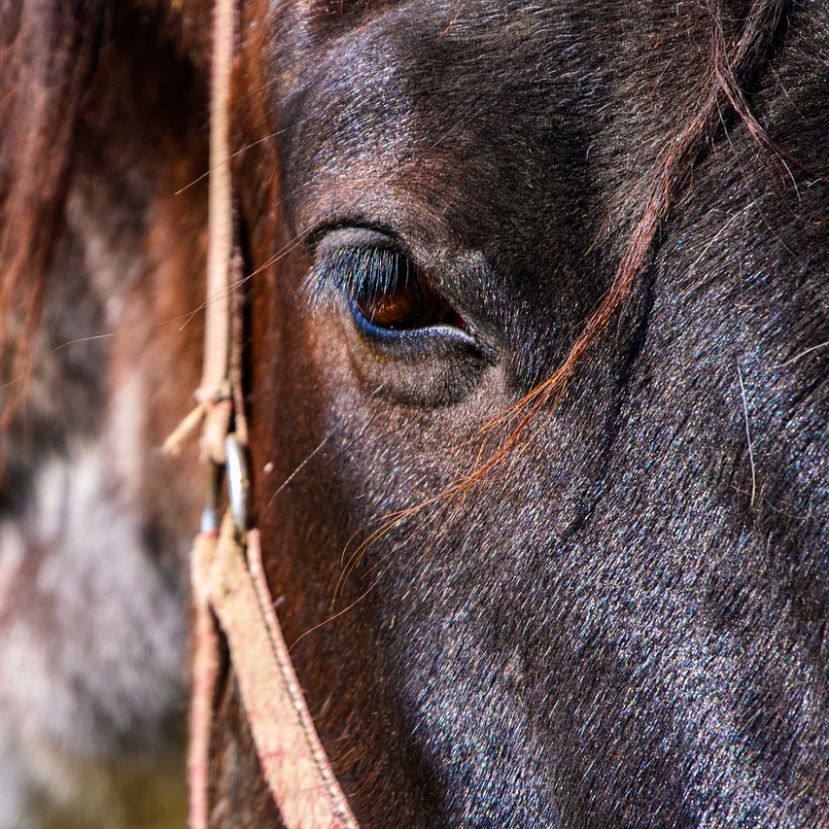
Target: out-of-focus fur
(94, 523)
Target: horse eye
(389, 292)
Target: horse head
(534, 371)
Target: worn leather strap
(205, 666)
(291, 756)
(215, 386)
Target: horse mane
(722, 90)
(48, 53)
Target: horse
(535, 378)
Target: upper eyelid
(338, 235)
(334, 236)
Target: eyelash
(387, 294)
(352, 272)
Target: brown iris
(393, 294)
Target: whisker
(302, 465)
(224, 161)
(336, 615)
(803, 353)
(748, 436)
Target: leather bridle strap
(230, 593)
(293, 761)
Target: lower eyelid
(388, 336)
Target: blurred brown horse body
(623, 623)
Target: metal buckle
(238, 484)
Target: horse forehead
(410, 93)
(427, 33)
(355, 14)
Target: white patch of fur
(92, 657)
(12, 550)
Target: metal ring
(209, 524)
(237, 482)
